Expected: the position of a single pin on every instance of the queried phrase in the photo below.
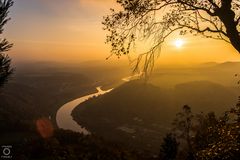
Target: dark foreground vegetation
(199, 136)
(193, 136)
(69, 145)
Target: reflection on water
(64, 118)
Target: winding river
(64, 117)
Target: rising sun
(178, 43)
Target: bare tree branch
(157, 19)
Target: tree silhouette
(203, 137)
(5, 61)
(224, 137)
(157, 19)
(169, 148)
(184, 128)
(207, 136)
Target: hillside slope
(139, 114)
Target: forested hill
(139, 114)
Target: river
(64, 117)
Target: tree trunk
(233, 35)
(227, 17)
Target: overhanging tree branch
(156, 19)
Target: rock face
(139, 115)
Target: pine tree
(5, 62)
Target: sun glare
(178, 43)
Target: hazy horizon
(64, 30)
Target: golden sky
(71, 30)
